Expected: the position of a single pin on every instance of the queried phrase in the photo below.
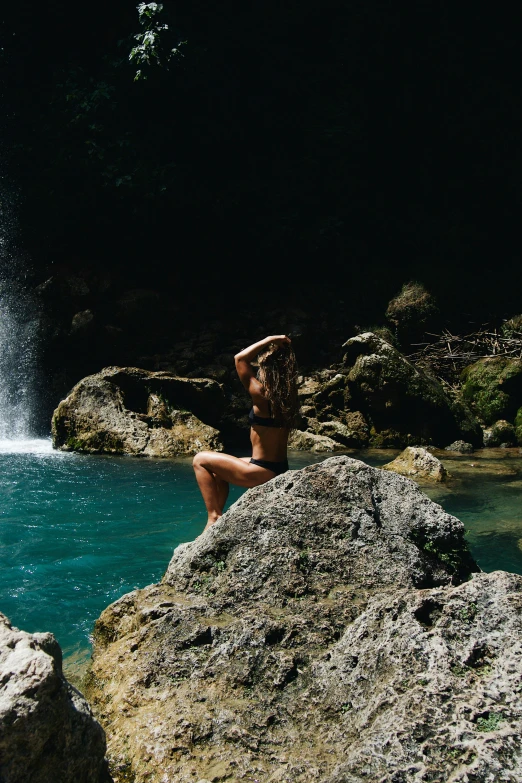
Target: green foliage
(451, 557)
(493, 387)
(304, 560)
(459, 670)
(151, 48)
(490, 722)
(468, 613)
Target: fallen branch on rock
(448, 354)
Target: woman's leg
(214, 471)
(223, 488)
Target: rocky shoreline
(374, 398)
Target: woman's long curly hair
(278, 374)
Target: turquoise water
(78, 532)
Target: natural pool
(78, 532)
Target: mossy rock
(518, 426)
(493, 388)
(412, 311)
(513, 327)
(502, 433)
(403, 405)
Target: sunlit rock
(141, 413)
(418, 463)
(318, 619)
(47, 731)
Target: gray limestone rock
(47, 731)
(461, 447)
(234, 667)
(426, 686)
(310, 441)
(141, 413)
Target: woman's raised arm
(244, 358)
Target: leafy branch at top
(152, 47)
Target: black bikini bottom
(275, 467)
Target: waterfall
(18, 335)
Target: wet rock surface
(141, 413)
(321, 630)
(47, 731)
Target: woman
(274, 407)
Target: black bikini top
(264, 421)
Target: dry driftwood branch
(448, 354)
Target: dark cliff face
(324, 626)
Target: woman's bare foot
(211, 521)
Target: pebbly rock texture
(133, 411)
(417, 463)
(297, 636)
(460, 447)
(47, 731)
(426, 686)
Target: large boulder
(403, 405)
(133, 411)
(47, 731)
(493, 388)
(309, 620)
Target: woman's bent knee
(201, 458)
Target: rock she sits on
(47, 731)
(324, 629)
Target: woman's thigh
(235, 470)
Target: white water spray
(18, 340)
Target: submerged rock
(133, 411)
(47, 731)
(296, 635)
(417, 463)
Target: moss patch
(493, 388)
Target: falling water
(18, 338)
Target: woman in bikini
(274, 408)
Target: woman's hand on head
(280, 339)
